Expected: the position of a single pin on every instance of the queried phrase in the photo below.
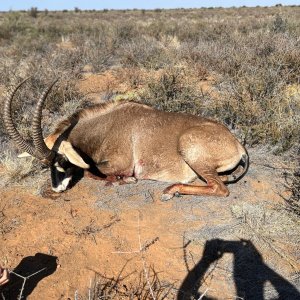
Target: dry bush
(294, 200)
(145, 53)
(64, 98)
(104, 287)
(15, 170)
(253, 78)
(33, 12)
(292, 178)
(171, 91)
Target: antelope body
(134, 141)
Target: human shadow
(249, 271)
(25, 277)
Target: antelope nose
(62, 186)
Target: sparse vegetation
(254, 63)
(292, 177)
(294, 199)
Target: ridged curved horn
(10, 127)
(37, 133)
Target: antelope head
(64, 161)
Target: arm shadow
(25, 277)
(250, 273)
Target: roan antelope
(133, 141)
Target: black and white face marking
(62, 173)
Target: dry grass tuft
(104, 287)
(292, 178)
(20, 171)
(13, 169)
(266, 225)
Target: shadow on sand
(25, 277)
(249, 271)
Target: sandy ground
(245, 244)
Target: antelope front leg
(128, 180)
(110, 179)
(186, 189)
(214, 187)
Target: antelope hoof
(130, 180)
(166, 197)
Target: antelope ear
(67, 149)
(50, 140)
